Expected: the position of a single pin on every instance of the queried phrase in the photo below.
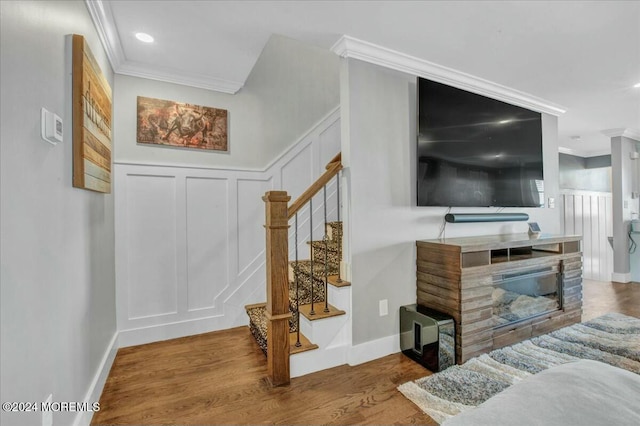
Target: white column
(624, 176)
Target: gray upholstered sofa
(584, 393)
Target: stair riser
(340, 297)
(258, 330)
(324, 332)
(304, 291)
(334, 232)
(304, 276)
(261, 340)
(332, 258)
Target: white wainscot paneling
(298, 174)
(207, 241)
(190, 241)
(250, 230)
(590, 215)
(152, 262)
(329, 144)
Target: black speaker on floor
(427, 336)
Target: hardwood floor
(219, 378)
(602, 297)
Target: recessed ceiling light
(637, 85)
(144, 37)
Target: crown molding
(627, 133)
(349, 47)
(102, 17)
(583, 153)
(168, 76)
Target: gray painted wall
(57, 246)
(292, 86)
(585, 174)
(379, 150)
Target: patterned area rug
(612, 338)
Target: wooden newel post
(277, 313)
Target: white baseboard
(621, 278)
(160, 332)
(317, 360)
(374, 349)
(98, 382)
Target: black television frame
(493, 148)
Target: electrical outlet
(47, 415)
(384, 307)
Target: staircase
(301, 293)
(326, 257)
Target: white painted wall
(190, 242)
(57, 245)
(379, 149)
(292, 86)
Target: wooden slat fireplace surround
(457, 276)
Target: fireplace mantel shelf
(494, 242)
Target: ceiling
(582, 55)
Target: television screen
(475, 151)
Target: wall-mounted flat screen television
(475, 151)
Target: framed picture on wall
(91, 95)
(181, 125)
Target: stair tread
(304, 266)
(305, 344)
(257, 318)
(333, 280)
(319, 311)
(255, 305)
(331, 245)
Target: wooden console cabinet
(458, 276)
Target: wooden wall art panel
(91, 95)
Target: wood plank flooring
(601, 297)
(219, 378)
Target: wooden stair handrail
(336, 159)
(333, 168)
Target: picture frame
(92, 118)
(181, 125)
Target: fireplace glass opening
(524, 295)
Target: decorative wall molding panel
(190, 241)
(590, 215)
